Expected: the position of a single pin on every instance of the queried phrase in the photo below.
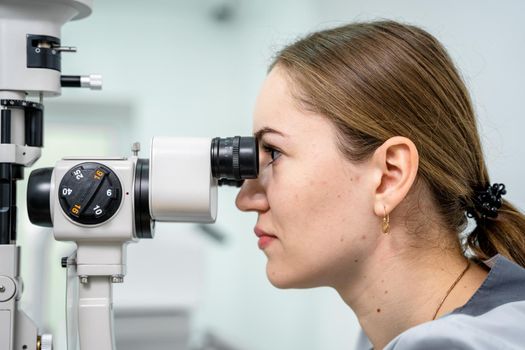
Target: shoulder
(504, 284)
(500, 328)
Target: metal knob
(45, 342)
(92, 81)
(135, 148)
(7, 288)
(65, 48)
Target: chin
(287, 280)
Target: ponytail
(504, 234)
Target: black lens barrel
(234, 158)
(38, 197)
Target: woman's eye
(274, 154)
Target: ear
(395, 164)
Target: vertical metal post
(5, 130)
(7, 204)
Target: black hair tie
(487, 202)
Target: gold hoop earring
(385, 227)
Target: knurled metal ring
(236, 160)
(21, 104)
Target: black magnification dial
(90, 193)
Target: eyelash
(270, 150)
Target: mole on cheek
(378, 310)
(356, 260)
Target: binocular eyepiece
(234, 159)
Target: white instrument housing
(182, 188)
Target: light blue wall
(182, 73)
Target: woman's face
(315, 209)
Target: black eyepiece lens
(234, 159)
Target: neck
(395, 292)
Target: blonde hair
(381, 79)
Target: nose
(252, 196)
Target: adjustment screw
(135, 148)
(83, 279)
(117, 279)
(2, 289)
(92, 81)
(65, 48)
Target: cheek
(293, 197)
(323, 220)
(321, 206)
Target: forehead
(277, 108)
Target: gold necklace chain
(450, 289)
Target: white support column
(95, 314)
(8, 293)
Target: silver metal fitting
(117, 279)
(46, 342)
(135, 148)
(65, 48)
(92, 81)
(2, 289)
(83, 279)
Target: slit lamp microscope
(100, 203)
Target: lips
(265, 238)
(259, 232)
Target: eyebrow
(267, 130)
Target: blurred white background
(193, 68)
